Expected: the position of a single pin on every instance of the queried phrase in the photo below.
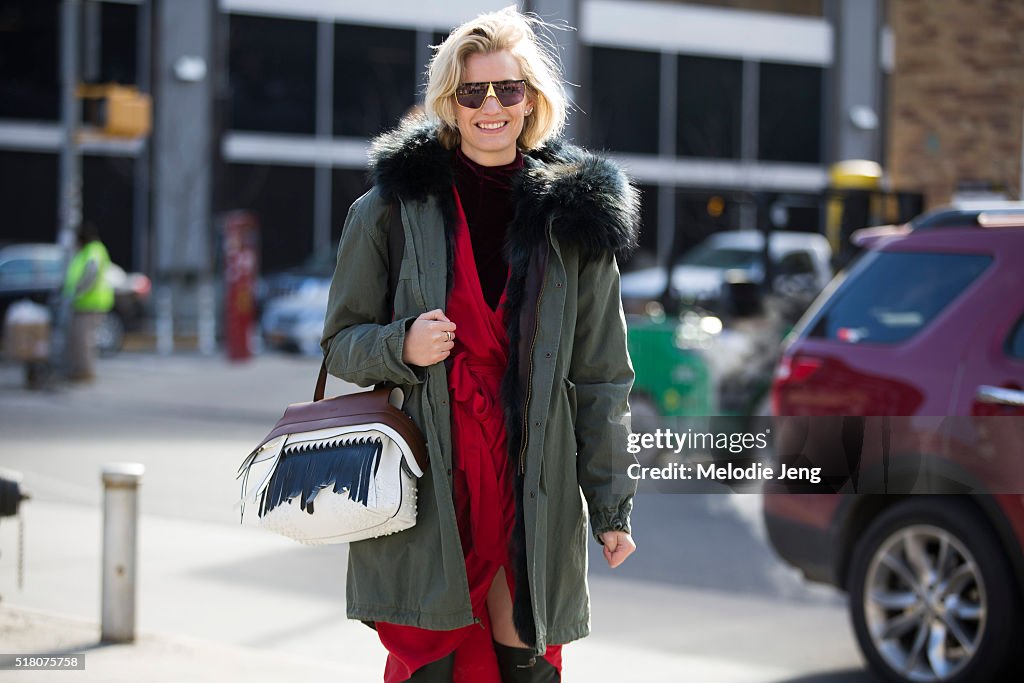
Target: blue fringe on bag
(302, 472)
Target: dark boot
(518, 665)
(440, 671)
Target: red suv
(904, 383)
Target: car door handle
(1001, 396)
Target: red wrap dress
(484, 498)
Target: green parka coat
(565, 390)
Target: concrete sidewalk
(152, 658)
(223, 603)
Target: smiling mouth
(492, 126)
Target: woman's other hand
(618, 545)
(429, 340)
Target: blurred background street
(704, 597)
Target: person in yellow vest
(91, 297)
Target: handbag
(337, 470)
(341, 469)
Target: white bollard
(120, 552)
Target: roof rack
(1001, 220)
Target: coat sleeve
(603, 375)
(362, 344)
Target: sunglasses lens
(472, 95)
(510, 92)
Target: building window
(624, 99)
(709, 107)
(347, 185)
(282, 199)
(790, 113)
(701, 213)
(646, 253)
(272, 71)
(375, 77)
(118, 56)
(809, 8)
(108, 200)
(28, 59)
(29, 196)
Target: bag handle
(396, 252)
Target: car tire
(109, 334)
(932, 597)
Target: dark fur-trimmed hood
(595, 206)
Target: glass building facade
(701, 124)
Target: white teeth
(491, 126)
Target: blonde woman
(507, 332)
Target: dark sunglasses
(473, 95)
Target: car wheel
(931, 595)
(109, 334)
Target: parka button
(536, 424)
(531, 494)
(558, 284)
(547, 355)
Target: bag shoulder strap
(396, 252)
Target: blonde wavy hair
(524, 38)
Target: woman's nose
(491, 105)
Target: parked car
(296, 322)
(800, 259)
(33, 271)
(313, 273)
(903, 381)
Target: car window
(896, 295)
(49, 267)
(796, 263)
(1015, 344)
(16, 273)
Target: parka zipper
(529, 375)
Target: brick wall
(956, 99)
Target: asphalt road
(703, 599)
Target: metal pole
(667, 106)
(92, 36)
(140, 202)
(120, 552)
(164, 320)
(69, 215)
(207, 323)
(324, 130)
